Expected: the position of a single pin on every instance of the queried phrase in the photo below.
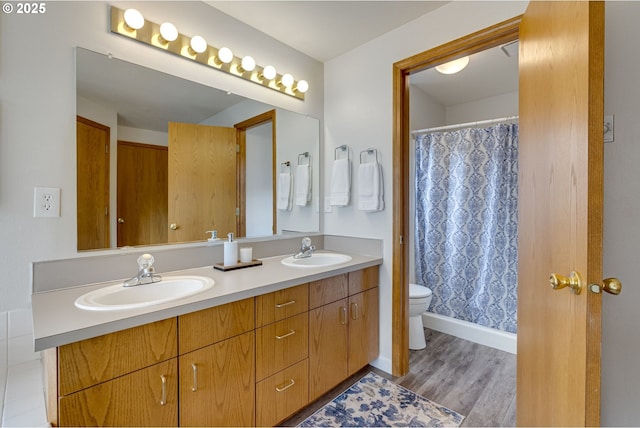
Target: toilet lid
(417, 291)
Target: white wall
(259, 179)
(358, 111)
(38, 108)
(503, 105)
(620, 315)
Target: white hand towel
(303, 185)
(370, 187)
(340, 183)
(284, 191)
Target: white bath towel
(340, 183)
(370, 187)
(284, 191)
(303, 185)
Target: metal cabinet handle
(173, 226)
(194, 388)
(282, 305)
(291, 333)
(343, 315)
(163, 400)
(354, 311)
(287, 386)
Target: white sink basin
(317, 260)
(118, 297)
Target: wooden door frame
(489, 37)
(241, 184)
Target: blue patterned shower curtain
(466, 225)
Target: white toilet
(419, 301)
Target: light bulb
(287, 80)
(225, 55)
(302, 86)
(168, 32)
(269, 72)
(454, 66)
(198, 44)
(248, 63)
(133, 19)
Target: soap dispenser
(230, 251)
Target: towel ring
(304, 155)
(369, 151)
(285, 165)
(343, 148)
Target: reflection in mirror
(161, 159)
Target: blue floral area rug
(374, 401)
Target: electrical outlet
(46, 202)
(608, 129)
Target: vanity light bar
(221, 59)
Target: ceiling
(325, 29)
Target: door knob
(610, 285)
(173, 226)
(574, 282)
(120, 220)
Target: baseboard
(475, 333)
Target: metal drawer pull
(282, 305)
(194, 388)
(343, 315)
(287, 386)
(163, 400)
(354, 311)
(291, 333)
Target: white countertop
(57, 321)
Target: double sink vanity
(246, 347)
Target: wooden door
(147, 397)
(560, 212)
(328, 347)
(202, 181)
(92, 176)
(142, 194)
(217, 384)
(363, 329)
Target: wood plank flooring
(474, 380)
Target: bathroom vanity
(258, 346)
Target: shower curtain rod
(464, 125)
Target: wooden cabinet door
(363, 329)
(328, 347)
(147, 397)
(217, 384)
(279, 396)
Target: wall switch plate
(608, 129)
(46, 202)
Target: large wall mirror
(161, 159)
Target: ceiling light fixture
(454, 66)
(167, 38)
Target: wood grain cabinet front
(281, 395)
(343, 335)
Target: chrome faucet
(146, 272)
(306, 249)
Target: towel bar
(369, 151)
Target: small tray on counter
(239, 265)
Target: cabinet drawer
(281, 304)
(364, 279)
(202, 328)
(92, 361)
(328, 290)
(147, 397)
(281, 395)
(281, 344)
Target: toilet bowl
(419, 301)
